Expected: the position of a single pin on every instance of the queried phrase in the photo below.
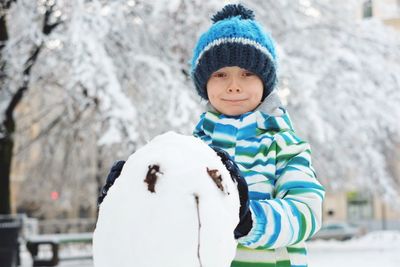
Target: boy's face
(234, 91)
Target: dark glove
(111, 177)
(246, 222)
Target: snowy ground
(374, 249)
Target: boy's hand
(111, 177)
(245, 223)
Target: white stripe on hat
(240, 40)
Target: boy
(234, 69)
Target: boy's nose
(234, 90)
(233, 87)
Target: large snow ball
(174, 205)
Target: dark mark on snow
(196, 197)
(151, 177)
(216, 176)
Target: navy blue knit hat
(234, 39)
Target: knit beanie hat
(234, 39)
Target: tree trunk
(6, 141)
(6, 147)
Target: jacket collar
(268, 116)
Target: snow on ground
(380, 248)
(374, 249)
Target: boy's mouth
(233, 100)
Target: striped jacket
(285, 196)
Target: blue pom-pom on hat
(234, 39)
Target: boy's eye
(248, 73)
(219, 74)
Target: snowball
(179, 214)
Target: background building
(386, 10)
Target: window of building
(367, 9)
(359, 206)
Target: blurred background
(84, 83)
